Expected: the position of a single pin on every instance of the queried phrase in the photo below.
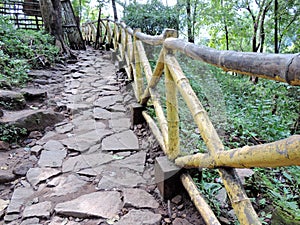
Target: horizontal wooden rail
(279, 67)
(279, 153)
(128, 44)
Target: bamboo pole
(279, 67)
(151, 40)
(154, 78)
(241, 204)
(138, 79)
(173, 148)
(144, 60)
(239, 200)
(155, 131)
(109, 32)
(206, 128)
(153, 93)
(284, 152)
(115, 37)
(207, 214)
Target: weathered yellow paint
(154, 96)
(284, 152)
(138, 79)
(207, 130)
(200, 203)
(172, 115)
(155, 131)
(240, 202)
(154, 78)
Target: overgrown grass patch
(22, 50)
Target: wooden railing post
(138, 76)
(173, 148)
(109, 35)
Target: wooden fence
(25, 14)
(128, 44)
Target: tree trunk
(52, 16)
(113, 2)
(276, 46)
(189, 21)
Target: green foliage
(21, 50)
(279, 188)
(254, 114)
(209, 184)
(152, 17)
(10, 133)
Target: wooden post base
(136, 114)
(167, 178)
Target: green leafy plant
(11, 134)
(21, 50)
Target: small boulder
(35, 134)
(12, 100)
(4, 146)
(34, 94)
(22, 167)
(33, 120)
(6, 176)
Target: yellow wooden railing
(128, 44)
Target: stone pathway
(92, 169)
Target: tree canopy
(242, 25)
(151, 17)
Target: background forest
(241, 25)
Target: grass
(22, 50)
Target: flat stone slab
(120, 180)
(103, 114)
(139, 198)
(67, 185)
(53, 145)
(64, 128)
(120, 124)
(83, 142)
(31, 221)
(88, 125)
(117, 108)
(140, 217)
(81, 162)
(52, 158)
(19, 199)
(78, 107)
(110, 88)
(37, 175)
(106, 101)
(73, 84)
(98, 204)
(126, 140)
(134, 162)
(41, 210)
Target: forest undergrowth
(244, 113)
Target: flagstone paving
(91, 168)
